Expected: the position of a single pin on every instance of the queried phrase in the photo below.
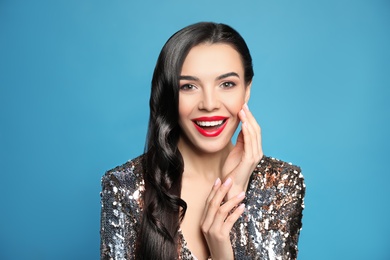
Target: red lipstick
(210, 131)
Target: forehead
(206, 59)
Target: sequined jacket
(267, 230)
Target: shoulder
(125, 175)
(277, 174)
(121, 201)
(280, 170)
(273, 216)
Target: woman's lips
(210, 126)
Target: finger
(245, 131)
(240, 140)
(256, 126)
(250, 117)
(255, 131)
(232, 218)
(227, 215)
(214, 204)
(223, 212)
(254, 143)
(249, 146)
(214, 189)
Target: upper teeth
(209, 123)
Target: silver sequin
(267, 230)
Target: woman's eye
(228, 84)
(187, 87)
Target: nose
(209, 100)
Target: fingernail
(246, 106)
(242, 206)
(217, 181)
(243, 112)
(227, 182)
(241, 195)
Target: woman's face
(212, 92)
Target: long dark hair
(163, 208)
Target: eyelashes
(228, 84)
(225, 85)
(187, 87)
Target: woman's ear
(248, 92)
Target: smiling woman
(213, 91)
(194, 194)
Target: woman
(193, 194)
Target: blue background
(75, 84)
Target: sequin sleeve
(270, 227)
(120, 212)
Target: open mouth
(210, 126)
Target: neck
(200, 164)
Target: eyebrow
(226, 75)
(188, 78)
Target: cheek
(235, 104)
(184, 108)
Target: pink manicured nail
(241, 195)
(246, 106)
(243, 112)
(227, 182)
(217, 181)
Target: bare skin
(215, 170)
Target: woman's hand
(218, 219)
(246, 154)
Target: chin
(208, 145)
(213, 146)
